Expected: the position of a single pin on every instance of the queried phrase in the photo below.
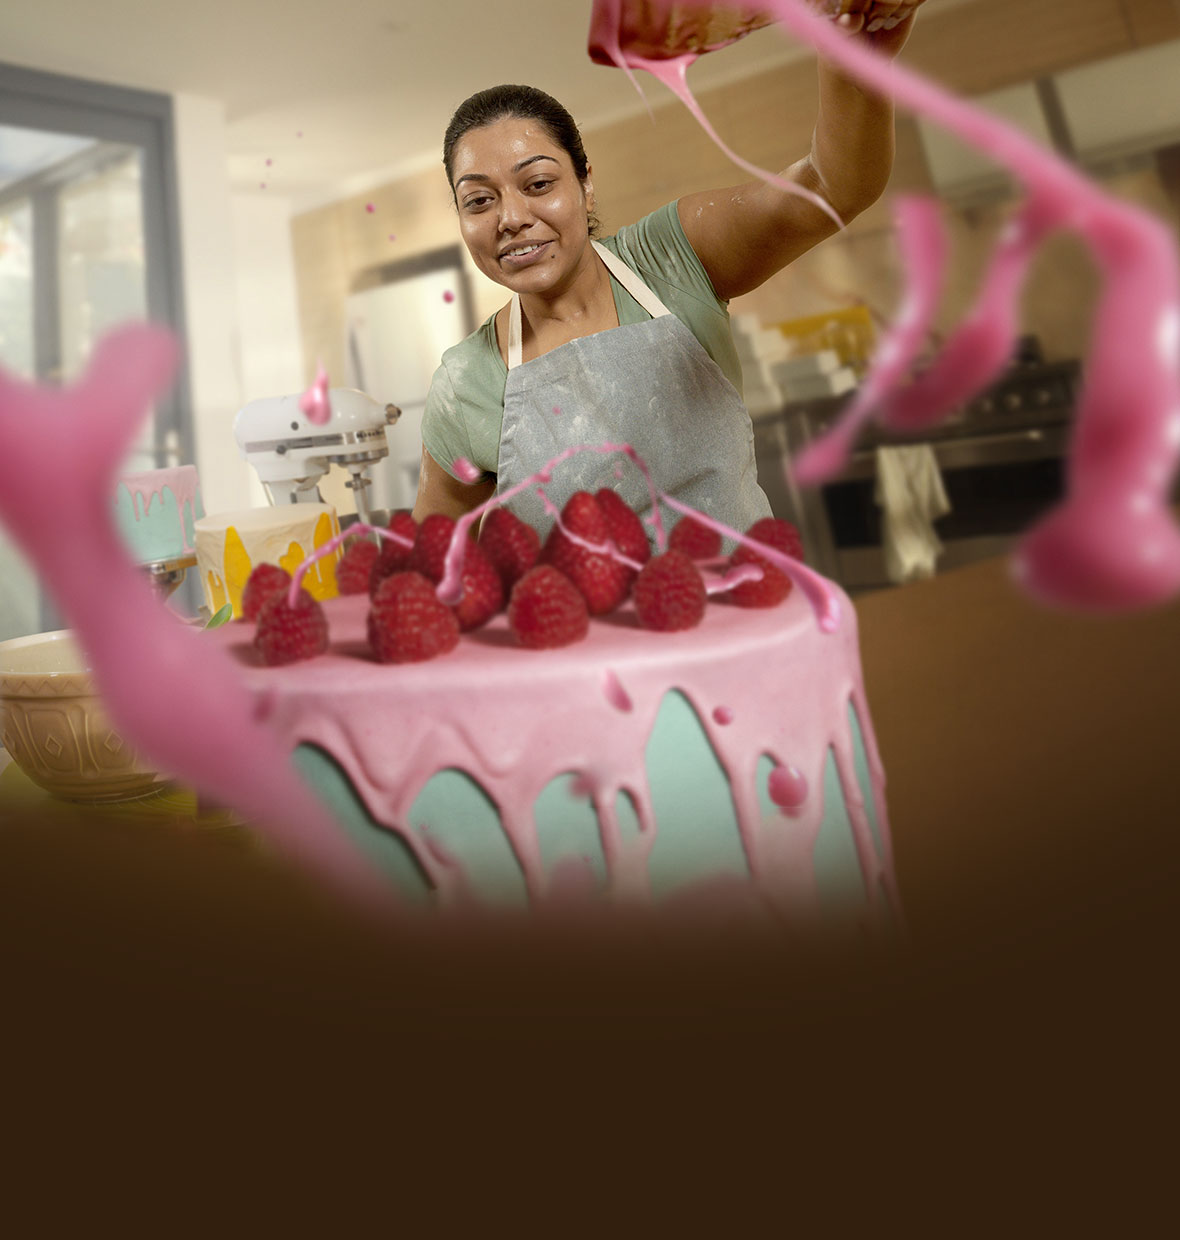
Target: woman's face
(522, 209)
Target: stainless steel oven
(1002, 460)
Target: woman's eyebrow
(524, 163)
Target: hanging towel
(911, 495)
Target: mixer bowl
(53, 724)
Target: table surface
(1025, 749)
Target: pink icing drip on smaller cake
(150, 484)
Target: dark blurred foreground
(161, 989)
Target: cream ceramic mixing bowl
(54, 726)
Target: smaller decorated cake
(231, 544)
(156, 512)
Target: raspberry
(356, 567)
(547, 610)
(394, 558)
(407, 623)
(264, 580)
(483, 591)
(287, 634)
(603, 581)
(431, 546)
(697, 541)
(669, 593)
(624, 526)
(775, 584)
(512, 545)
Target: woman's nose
(514, 212)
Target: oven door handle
(1030, 444)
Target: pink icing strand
(143, 658)
(314, 402)
(1113, 543)
(825, 602)
(820, 595)
(450, 588)
(673, 73)
(922, 241)
(338, 540)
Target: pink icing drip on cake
(589, 709)
(149, 485)
(1112, 543)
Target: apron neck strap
(621, 272)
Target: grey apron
(648, 384)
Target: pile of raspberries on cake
(551, 590)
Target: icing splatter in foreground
(143, 657)
(1112, 543)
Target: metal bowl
(53, 724)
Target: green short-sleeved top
(465, 406)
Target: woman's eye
(540, 186)
(475, 204)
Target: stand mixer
(292, 454)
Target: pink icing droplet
(614, 692)
(370, 208)
(448, 296)
(269, 162)
(787, 787)
(262, 185)
(722, 715)
(392, 237)
(557, 411)
(465, 471)
(314, 402)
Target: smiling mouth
(523, 251)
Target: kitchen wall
(639, 164)
(241, 333)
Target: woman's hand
(883, 25)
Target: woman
(626, 340)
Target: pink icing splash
(722, 715)
(465, 471)
(180, 699)
(615, 694)
(370, 208)
(448, 296)
(314, 402)
(1113, 543)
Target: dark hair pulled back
(527, 103)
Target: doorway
(89, 238)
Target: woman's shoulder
(656, 247)
(479, 346)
